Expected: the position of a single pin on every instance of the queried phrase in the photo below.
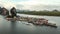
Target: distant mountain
(22, 10)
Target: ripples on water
(19, 27)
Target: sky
(31, 4)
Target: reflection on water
(13, 26)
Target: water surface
(20, 27)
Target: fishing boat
(9, 18)
(16, 18)
(42, 21)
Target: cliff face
(4, 11)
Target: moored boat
(42, 21)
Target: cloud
(28, 4)
(31, 4)
(40, 4)
(6, 4)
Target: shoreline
(39, 15)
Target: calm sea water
(20, 27)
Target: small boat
(44, 22)
(16, 18)
(51, 24)
(9, 18)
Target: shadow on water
(13, 27)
